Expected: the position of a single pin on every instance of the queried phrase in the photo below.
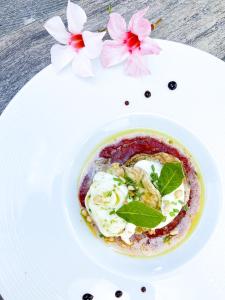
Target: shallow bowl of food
(140, 196)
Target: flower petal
(136, 66)
(139, 25)
(148, 46)
(82, 65)
(56, 28)
(117, 26)
(76, 17)
(61, 56)
(113, 52)
(93, 43)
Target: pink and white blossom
(76, 46)
(129, 44)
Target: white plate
(41, 132)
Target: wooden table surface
(25, 45)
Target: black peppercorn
(172, 85)
(88, 297)
(147, 94)
(118, 294)
(143, 289)
(126, 102)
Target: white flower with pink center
(77, 47)
(130, 45)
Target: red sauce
(127, 148)
(124, 150)
(85, 185)
(168, 228)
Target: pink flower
(76, 47)
(130, 45)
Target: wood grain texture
(25, 45)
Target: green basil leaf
(140, 214)
(170, 178)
